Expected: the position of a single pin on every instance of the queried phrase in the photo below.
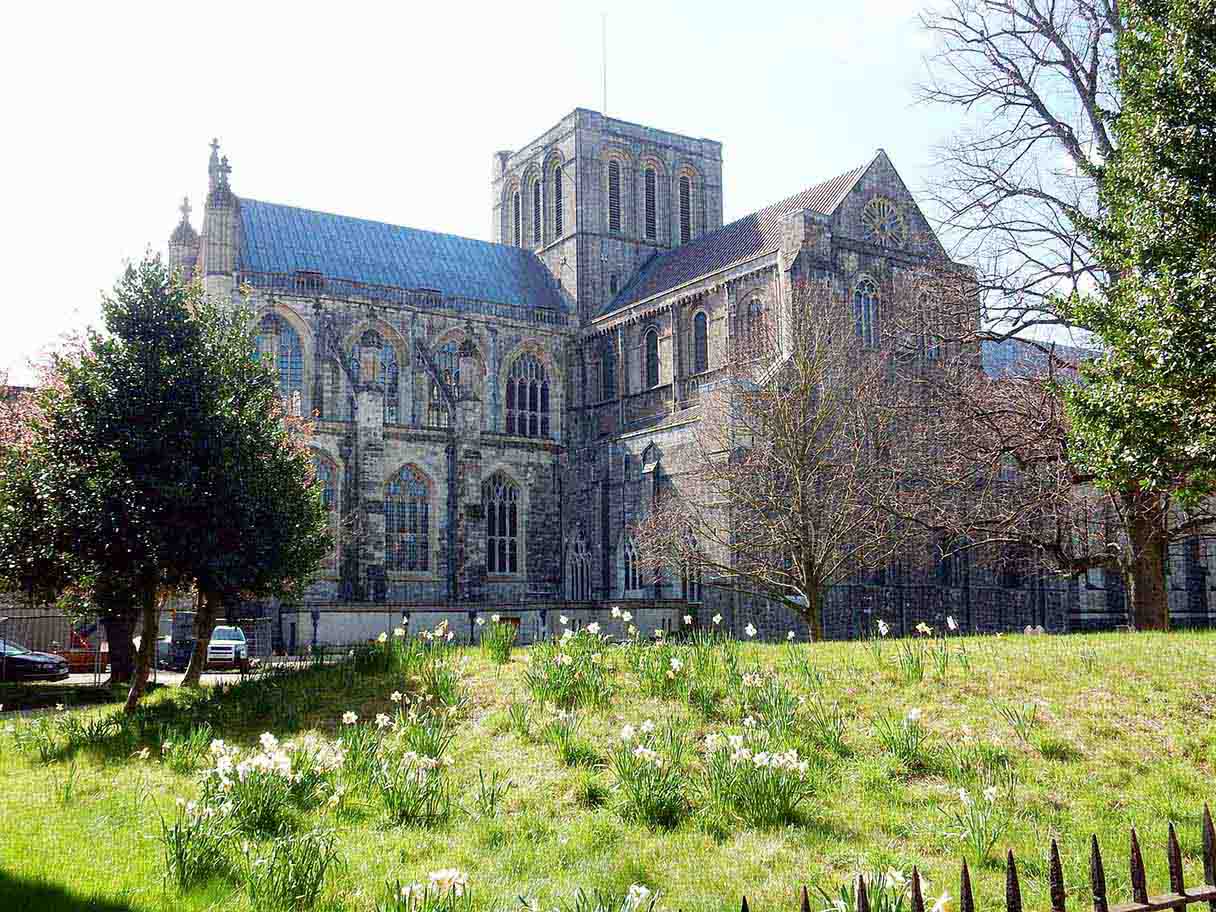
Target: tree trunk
(122, 651)
(150, 627)
(814, 614)
(204, 623)
(1147, 599)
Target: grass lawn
(1070, 735)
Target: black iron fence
(1178, 898)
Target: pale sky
(393, 112)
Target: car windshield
(227, 633)
(8, 647)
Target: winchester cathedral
(489, 418)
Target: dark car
(20, 664)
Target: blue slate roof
(752, 235)
(1015, 358)
(285, 239)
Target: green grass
(1123, 732)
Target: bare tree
(985, 462)
(1015, 191)
(782, 493)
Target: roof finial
(185, 209)
(224, 170)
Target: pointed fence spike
(1013, 890)
(806, 900)
(1139, 882)
(1209, 853)
(744, 908)
(863, 899)
(918, 900)
(966, 902)
(1097, 876)
(1177, 885)
(1055, 878)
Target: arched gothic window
(614, 195)
(608, 373)
(379, 357)
(652, 358)
(685, 209)
(557, 200)
(528, 398)
(279, 343)
(538, 214)
(690, 582)
(500, 499)
(447, 360)
(407, 521)
(865, 312)
(578, 571)
(752, 320)
(651, 191)
(518, 240)
(700, 343)
(633, 570)
(327, 478)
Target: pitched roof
(742, 239)
(1016, 358)
(285, 239)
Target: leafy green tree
(1144, 422)
(271, 534)
(124, 490)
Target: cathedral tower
(596, 197)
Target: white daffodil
(383, 721)
(494, 618)
(717, 619)
(593, 628)
(383, 638)
(398, 632)
(616, 611)
(951, 622)
(883, 629)
(750, 629)
(349, 718)
(395, 696)
(687, 620)
(647, 727)
(924, 628)
(913, 714)
(481, 622)
(627, 733)
(790, 635)
(626, 616)
(633, 631)
(942, 904)
(563, 620)
(990, 794)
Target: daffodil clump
(755, 783)
(571, 672)
(497, 639)
(651, 777)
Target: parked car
(228, 649)
(20, 664)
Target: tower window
(651, 194)
(327, 474)
(407, 521)
(685, 210)
(448, 364)
(700, 343)
(557, 200)
(519, 236)
(614, 196)
(528, 398)
(652, 358)
(608, 373)
(612, 284)
(538, 214)
(865, 312)
(633, 572)
(500, 499)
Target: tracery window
(633, 571)
(518, 240)
(447, 360)
(407, 521)
(500, 500)
(528, 397)
(652, 358)
(578, 571)
(650, 181)
(327, 476)
(557, 200)
(685, 210)
(279, 343)
(614, 195)
(384, 364)
(865, 312)
(538, 214)
(700, 343)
